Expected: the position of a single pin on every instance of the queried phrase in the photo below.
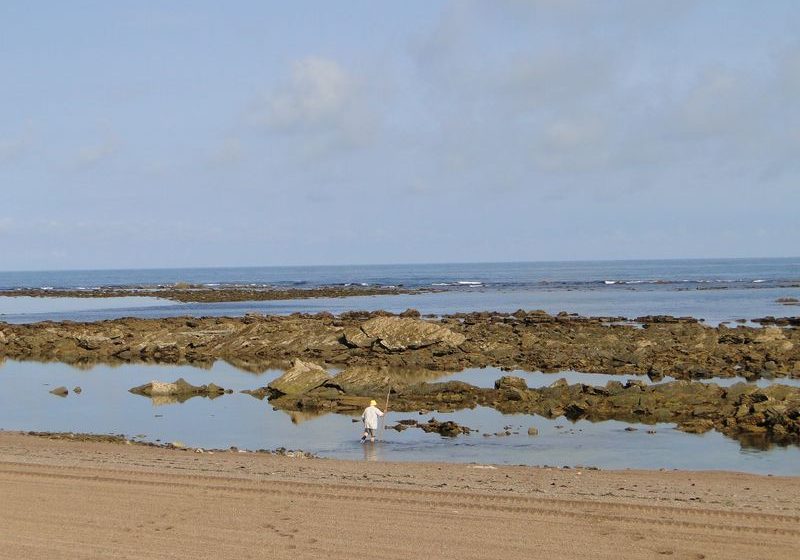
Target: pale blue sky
(169, 134)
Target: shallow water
(70, 306)
(713, 306)
(106, 406)
(485, 377)
(712, 289)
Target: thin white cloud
(322, 106)
(94, 154)
(789, 71)
(573, 88)
(719, 103)
(230, 151)
(13, 148)
(572, 144)
(317, 93)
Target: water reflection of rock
(163, 393)
(254, 366)
(299, 416)
(742, 411)
(162, 400)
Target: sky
(203, 133)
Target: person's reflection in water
(370, 451)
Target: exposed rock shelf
(742, 411)
(655, 346)
(203, 294)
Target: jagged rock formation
(682, 348)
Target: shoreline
(380, 352)
(95, 499)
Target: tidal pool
(106, 406)
(40, 308)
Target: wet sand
(66, 499)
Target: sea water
(106, 406)
(714, 290)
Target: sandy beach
(67, 499)
(541, 254)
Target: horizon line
(428, 263)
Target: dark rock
(60, 392)
(410, 313)
(511, 382)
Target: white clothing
(370, 417)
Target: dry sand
(66, 499)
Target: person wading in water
(370, 419)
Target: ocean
(714, 290)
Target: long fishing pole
(385, 412)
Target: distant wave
(691, 281)
(635, 275)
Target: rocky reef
(380, 353)
(194, 293)
(742, 411)
(656, 346)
